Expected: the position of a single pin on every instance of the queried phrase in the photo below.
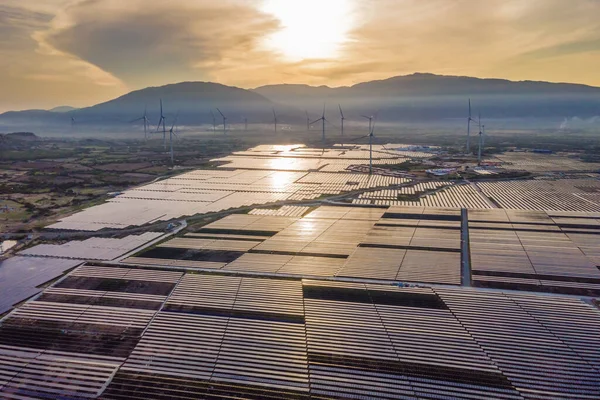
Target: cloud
(82, 51)
(152, 42)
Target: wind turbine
(483, 136)
(469, 119)
(370, 118)
(214, 121)
(224, 121)
(146, 122)
(371, 134)
(275, 120)
(480, 142)
(323, 119)
(72, 120)
(171, 134)
(162, 120)
(307, 121)
(342, 119)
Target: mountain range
(416, 97)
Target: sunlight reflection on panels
(280, 173)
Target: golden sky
(80, 52)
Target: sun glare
(309, 28)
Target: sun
(310, 29)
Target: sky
(81, 52)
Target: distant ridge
(415, 97)
(420, 84)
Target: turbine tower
(370, 118)
(342, 119)
(469, 119)
(307, 121)
(371, 135)
(162, 120)
(146, 122)
(214, 121)
(224, 121)
(480, 142)
(483, 136)
(322, 119)
(275, 120)
(171, 134)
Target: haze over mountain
(423, 95)
(62, 109)
(416, 97)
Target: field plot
(552, 195)
(92, 248)
(444, 195)
(209, 336)
(542, 163)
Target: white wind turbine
(162, 121)
(307, 121)
(214, 121)
(469, 119)
(172, 133)
(224, 121)
(322, 119)
(342, 119)
(480, 142)
(146, 122)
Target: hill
(191, 101)
(421, 95)
(417, 97)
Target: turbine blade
(221, 113)
(317, 120)
(175, 120)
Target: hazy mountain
(192, 102)
(428, 96)
(62, 109)
(417, 98)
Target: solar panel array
(535, 162)
(20, 277)
(92, 248)
(205, 191)
(534, 250)
(329, 241)
(523, 250)
(552, 195)
(284, 211)
(183, 336)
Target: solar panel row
(216, 336)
